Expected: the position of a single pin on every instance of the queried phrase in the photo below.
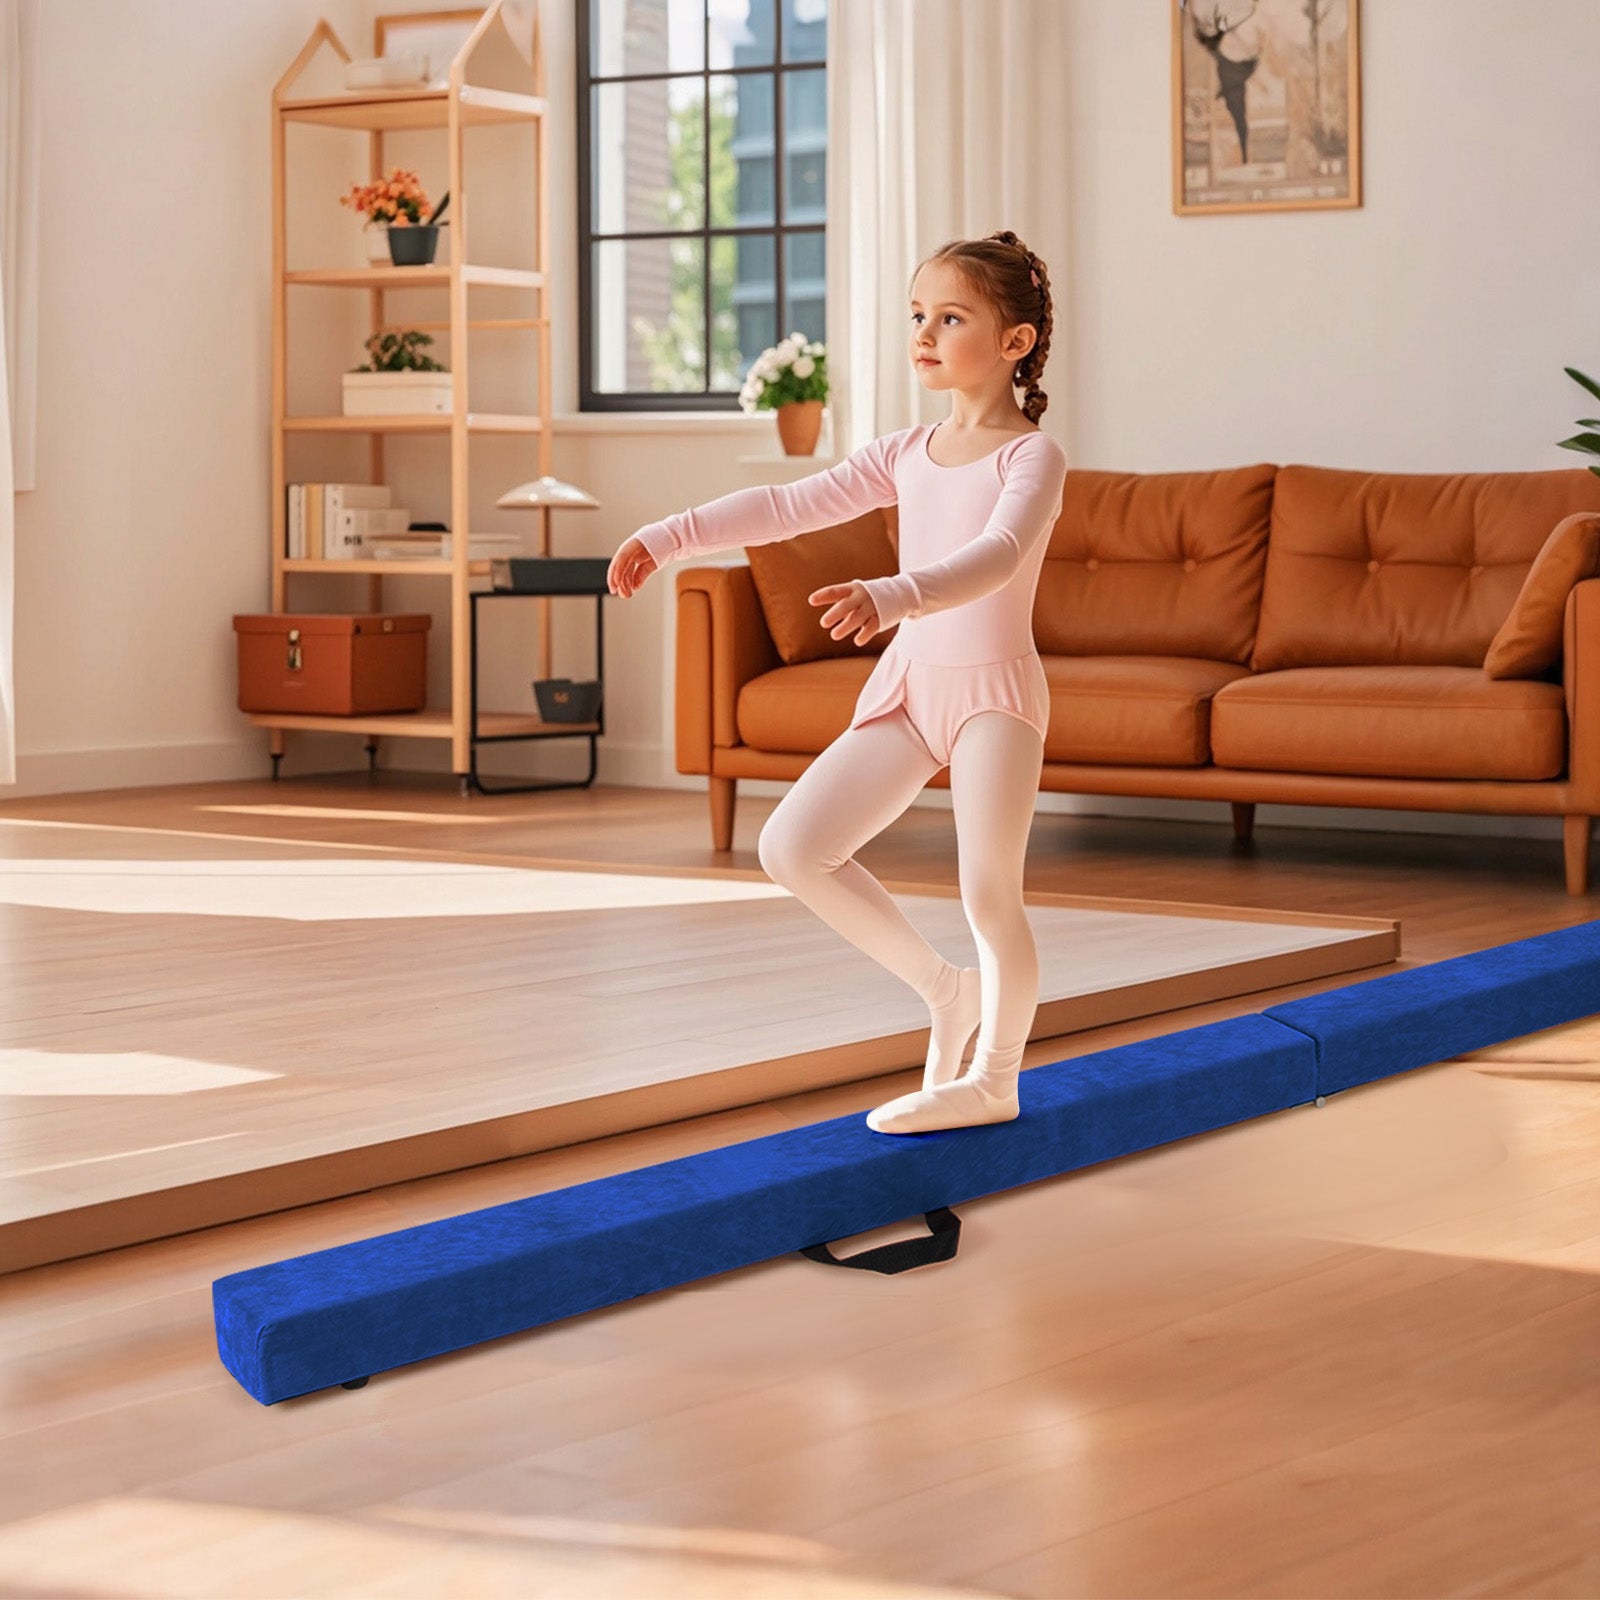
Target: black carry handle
(940, 1245)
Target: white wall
(146, 532)
(1425, 331)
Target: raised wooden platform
(201, 1028)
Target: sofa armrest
(723, 643)
(1580, 674)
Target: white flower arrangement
(788, 371)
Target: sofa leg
(722, 797)
(1244, 819)
(1575, 841)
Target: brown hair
(1005, 272)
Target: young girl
(960, 684)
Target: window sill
(670, 421)
(656, 421)
(755, 430)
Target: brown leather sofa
(1294, 635)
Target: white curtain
(946, 119)
(19, 277)
(8, 718)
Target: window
(702, 150)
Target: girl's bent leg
(853, 790)
(994, 782)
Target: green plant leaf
(1589, 442)
(1588, 383)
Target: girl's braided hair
(1006, 273)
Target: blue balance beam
(1401, 1020)
(335, 1316)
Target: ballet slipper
(955, 1012)
(986, 1094)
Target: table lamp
(545, 495)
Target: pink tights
(850, 793)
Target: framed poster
(438, 35)
(1266, 105)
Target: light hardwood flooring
(1336, 1351)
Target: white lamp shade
(547, 491)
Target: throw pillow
(788, 570)
(1529, 640)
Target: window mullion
(705, 189)
(779, 237)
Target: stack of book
(358, 522)
(334, 521)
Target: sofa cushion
(1391, 722)
(788, 570)
(1128, 710)
(1161, 564)
(1132, 710)
(800, 710)
(1402, 569)
(1529, 640)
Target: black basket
(567, 700)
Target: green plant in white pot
(398, 379)
(1589, 443)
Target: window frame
(779, 231)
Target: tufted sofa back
(1402, 569)
(1166, 563)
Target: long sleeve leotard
(972, 541)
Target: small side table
(517, 580)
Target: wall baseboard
(43, 772)
(646, 766)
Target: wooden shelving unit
(451, 110)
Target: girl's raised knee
(776, 851)
(787, 857)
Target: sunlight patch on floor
(148, 1545)
(121, 1155)
(337, 890)
(353, 814)
(70, 1072)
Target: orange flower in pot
(395, 208)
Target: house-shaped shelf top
(507, 82)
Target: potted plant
(790, 378)
(394, 208)
(398, 380)
(1589, 443)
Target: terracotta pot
(799, 423)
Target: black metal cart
(520, 579)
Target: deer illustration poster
(1266, 105)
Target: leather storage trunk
(338, 664)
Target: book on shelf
(314, 511)
(348, 535)
(421, 546)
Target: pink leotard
(972, 541)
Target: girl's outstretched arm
(1029, 503)
(862, 481)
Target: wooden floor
(1336, 1351)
